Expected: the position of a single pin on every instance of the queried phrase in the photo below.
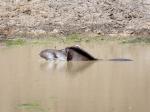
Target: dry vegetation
(42, 18)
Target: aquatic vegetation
(34, 107)
(37, 106)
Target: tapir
(72, 53)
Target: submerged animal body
(73, 53)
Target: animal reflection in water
(68, 67)
(73, 53)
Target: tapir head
(52, 54)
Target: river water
(30, 84)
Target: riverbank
(75, 39)
(44, 18)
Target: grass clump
(137, 40)
(84, 38)
(73, 38)
(15, 42)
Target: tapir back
(78, 54)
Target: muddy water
(29, 84)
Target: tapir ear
(66, 50)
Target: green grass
(73, 38)
(133, 40)
(76, 38)
(15, 42)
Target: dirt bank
(40, 18)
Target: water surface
(30, 84)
